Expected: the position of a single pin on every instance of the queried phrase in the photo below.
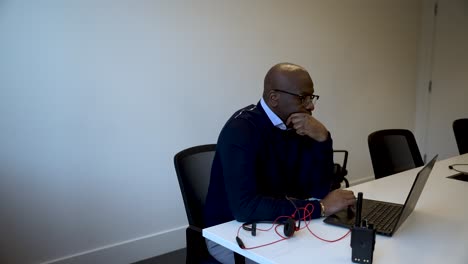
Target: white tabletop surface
(436, 231)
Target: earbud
(239, 242)
(252, 228)
(289, 227)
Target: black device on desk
(362, 237)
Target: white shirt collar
(275, 120)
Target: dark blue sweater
(257, 165)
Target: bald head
(284, 76)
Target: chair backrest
(340, 171)
(193, 168)
(393, 151)
(460, 129)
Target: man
(271, 157)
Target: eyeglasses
(305, 99)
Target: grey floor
(174, 257)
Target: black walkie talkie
(362, 237)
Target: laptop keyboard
(383, 216)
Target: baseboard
(131, 250)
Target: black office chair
(460, 129)
(393, 151)
(193, 168)
(339, 171)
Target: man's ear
(273, 98)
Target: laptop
(386, 217)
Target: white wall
(425, 61)
(97, 97)
(443, 58)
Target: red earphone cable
(307, 217)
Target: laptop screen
(416, 190)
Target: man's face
(298, 84)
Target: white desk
(436, 231)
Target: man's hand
(306, 124)
(338, 200)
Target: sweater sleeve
(238, 147)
